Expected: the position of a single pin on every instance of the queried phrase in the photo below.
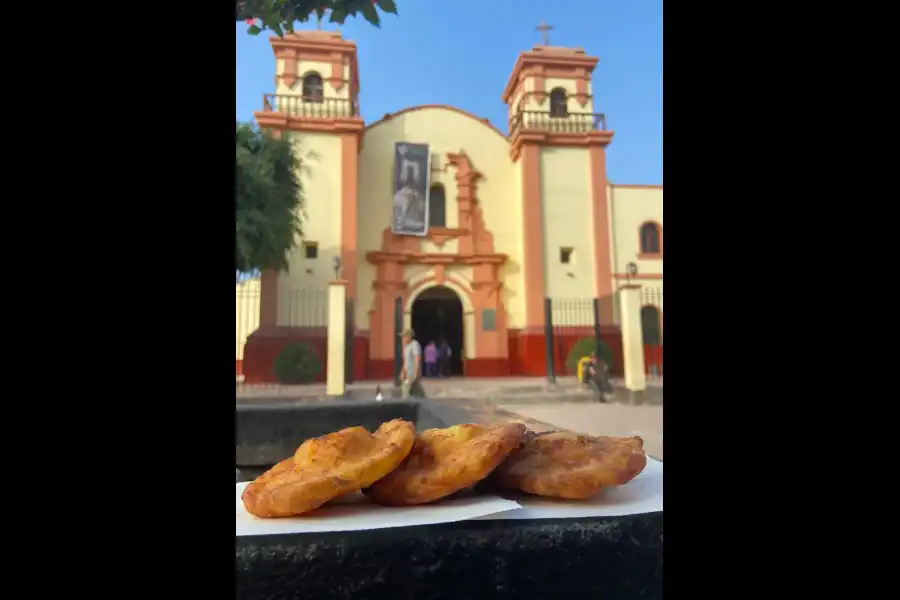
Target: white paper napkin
(356, 513)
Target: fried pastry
(563, 464)
(327, 467)
(444, 461)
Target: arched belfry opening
(313, 90)
(559, 103)
(436, 315)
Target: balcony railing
(571, 123)
(314, 108)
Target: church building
(469, 225)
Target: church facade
(510, 219)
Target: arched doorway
(437, 314)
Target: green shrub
(584, 347)
(297, 363)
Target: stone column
(337, 338)
(632, 341)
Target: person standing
(411, 375)
(596, 375)
(444, 354)
(431, 359)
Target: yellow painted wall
(449, 247)
(566, 198)
(460, 273)
(632, 207)
(415, 274)
(246, 313)
(302, 290)
(629, 208)
(444, 131)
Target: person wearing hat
(411, 375)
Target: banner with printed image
(412, 174)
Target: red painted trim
(653, 276)
(653, 355)
(263, 345)
(637, 186)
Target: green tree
(268, 199)
(280, 15)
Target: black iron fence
(572, 327)
(652, 330)
(303, 308)
(570, 123)
(314, 108)
(348, 341)
(651, 296)
(570, 321)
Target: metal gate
(652, 330)
(348, 342)
(567, 321)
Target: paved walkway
(451, 387)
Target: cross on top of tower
(544, 29)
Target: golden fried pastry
(328, 467)
(562, 464)
(444, 461)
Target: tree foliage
(583, 347)
(280, 15)
(268, 199)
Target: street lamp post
(631, 269)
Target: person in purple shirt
(431, 359)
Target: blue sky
(461, 53)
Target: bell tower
(317, 96)
(558, 145)
(552, 81)
(316, 103)
(316, 76)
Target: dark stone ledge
(606, 558)
(265, 434)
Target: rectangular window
(311, 249)
(565, 255)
